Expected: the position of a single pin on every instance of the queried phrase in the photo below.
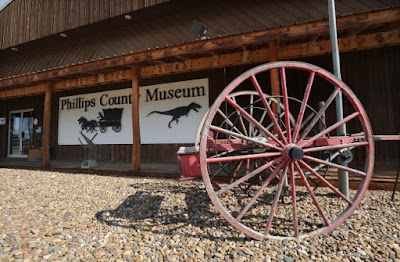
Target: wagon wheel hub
(294, 152)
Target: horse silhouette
(176, 113)
(88, 125)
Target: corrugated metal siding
(26, 20)
(169, 24)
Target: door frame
(21, 111)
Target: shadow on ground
(144, 211)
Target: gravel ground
(68, 217)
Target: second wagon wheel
(294, 157)
(232, 169)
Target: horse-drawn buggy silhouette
(110, 117)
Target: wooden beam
(112, 77)
(23, 91)
(47, 126)
(260, 37)
(348, 44)
(293, 51)
(247, 57)
(136, 147)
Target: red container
(189, 162)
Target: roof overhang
(356, 32)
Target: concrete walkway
(107, 168)
(382, 179)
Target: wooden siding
(170, 23)
(374, 76)
(26, 20)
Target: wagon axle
(294, 152)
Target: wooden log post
(136, 148)
(47, 126)
(275, 82)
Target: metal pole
(343, 175)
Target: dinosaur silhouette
(176, 113)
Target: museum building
(136, 77)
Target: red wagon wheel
(291, 156)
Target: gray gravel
(69, 217)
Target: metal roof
(27, 20)
(170, 24)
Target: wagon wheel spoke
(276, 200)
(334, 147)
(294, 199)
(254, 121)
(255, 130)
(329, 129)
(229, 122)
(248, 176)
(223, 153)
(319, 114)
(221, 168)
(310, 191)
(260, 191)
(241, 119)
(327, 163)
(271, 125)
(247, 184)
(251, 127)
(303, 106)
(235, 174)
(286, 104)
(241, 157)
(325, 182)
(235, 171)
(226, 166)
(268, 107)
(249, 139)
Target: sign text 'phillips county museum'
(169, 113)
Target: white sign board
(169, 113)
(107, 114)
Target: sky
(3, 3)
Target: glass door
(21, 133)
